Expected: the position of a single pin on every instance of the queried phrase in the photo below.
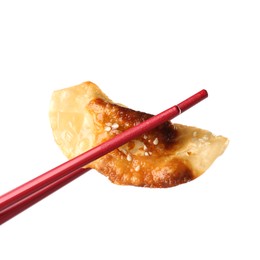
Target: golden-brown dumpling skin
(83, 117)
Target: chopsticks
(24, 196)
(21, 205)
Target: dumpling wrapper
(83, 116)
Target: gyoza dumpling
(83, 116)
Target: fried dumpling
(83, 116)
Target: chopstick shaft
(21, 205)
(51, 176)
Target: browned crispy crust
(151, 165)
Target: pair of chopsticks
(24, 196)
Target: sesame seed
(155, 141)
(108, 124)
(123, 150)
(137, 168)
(116, 132)
(107, 128)
(145, 136)
(145, 147)
(146, 153)
(129, 157)
(115, 126)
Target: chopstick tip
(205, 93)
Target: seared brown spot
(153, 168)
(122, 114)
(127, 118)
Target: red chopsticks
(24, 196)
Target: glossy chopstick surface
(21, 205)
(42, 182)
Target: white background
(148, 55)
